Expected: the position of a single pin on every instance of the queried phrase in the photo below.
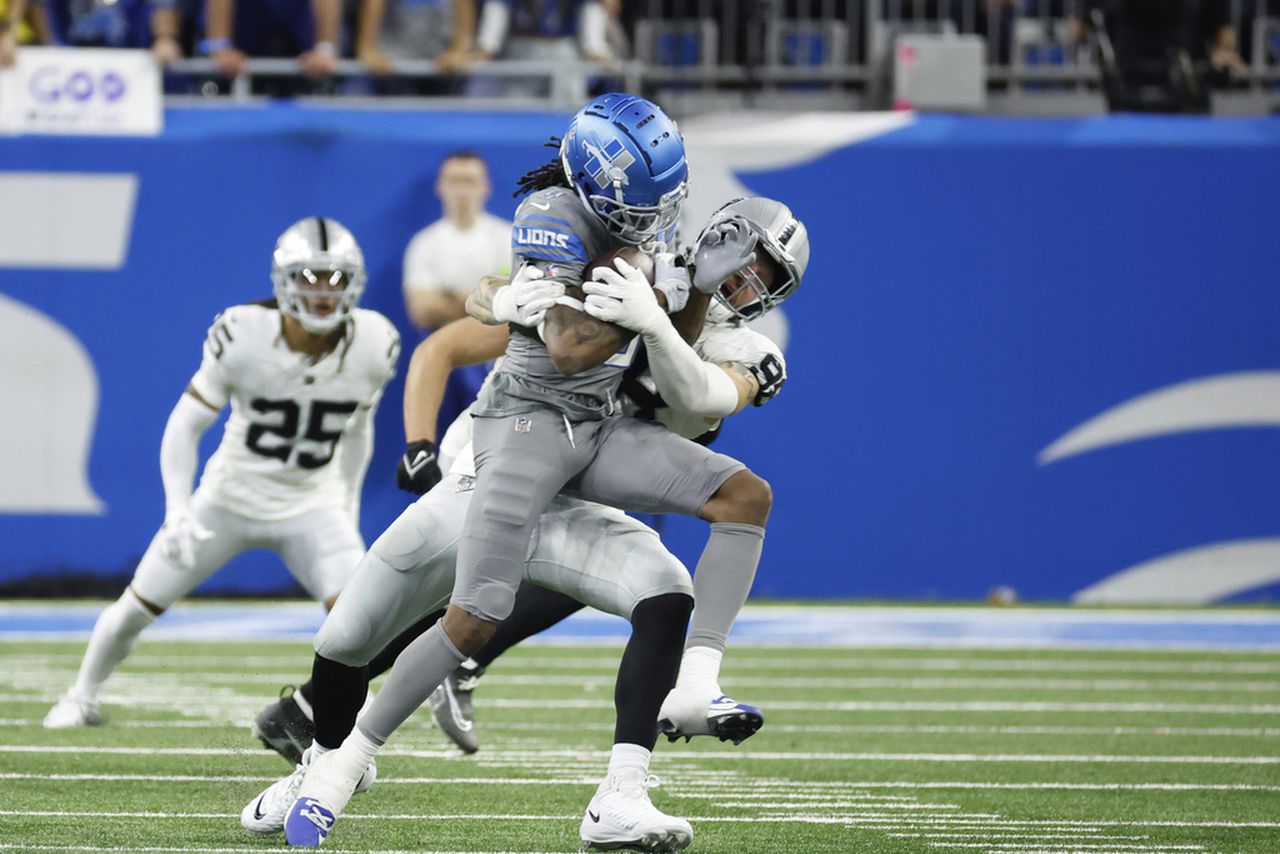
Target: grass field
(865, 750)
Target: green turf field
(866, 750)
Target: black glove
(418, 469)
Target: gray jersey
(554, 231)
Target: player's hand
(180, 536)
(722, 251)
(419, 467)
(671, 280)
(525, 301)
(625, 297)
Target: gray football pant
(522, 462)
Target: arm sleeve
(684, 380)
(491, 32)
(357, 449)
(179, 451)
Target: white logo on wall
(50, 387)
(720, 147)
(81, 91)
(1207, 573)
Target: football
(631, 254)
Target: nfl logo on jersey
(523, 425)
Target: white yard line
(742, 788)
(519, 756)
(1074, 846)
(941, 729)
(257, 848)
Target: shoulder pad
(233, 327)
(550, 225)
(380, 337)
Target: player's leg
(521, 462)
(157, 584)
(614, 563)
(407, 572)
(321, 549)
(536, 609)
(681, 476)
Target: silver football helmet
(318, 273)
(783, 238)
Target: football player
(303, 373)
(565, 558)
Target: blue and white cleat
(330, 782)
(688, 712)
(308, 823)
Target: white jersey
(283, 448)
(719, 343)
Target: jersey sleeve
(215, 378)
(547, 231)
(758, 354)
(386, 361)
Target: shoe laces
(636, 786)
(466, 679)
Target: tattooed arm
(480, 302)
(577, 341)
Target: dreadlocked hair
(547, 175)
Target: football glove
(179, 537)
(722, 251)
(418, 469)
(623, 296)
(525, 301)
(671, 278)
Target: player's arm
(575, 340)
(461, 343)
(479, 303)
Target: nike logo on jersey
(541, 237)
(418, 463)
(541, 206)
(593, 816)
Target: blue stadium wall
(1043, 354)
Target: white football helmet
(318, 274)
(783, 238)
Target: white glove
(525, 301)
(670, 280)
(722, 251)
(179, 537)
(624, 297)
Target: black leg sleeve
(536, 609)
(339, 691)
(649, 666)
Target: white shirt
(445, 257)
(283, 451)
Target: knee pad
(491, 600)
(506, 503)
(345, 638)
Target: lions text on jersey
(279, 453)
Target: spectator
(20, 24)
(307, 30)
(1158, 56)
(442, 30)
(446, 260)
(99, 23)
(551, 31)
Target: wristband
(326, 48)
(208, 46)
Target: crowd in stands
(1131, 40)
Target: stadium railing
(808, 54)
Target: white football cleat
(687, 712)
(73, 711)
(265, 813)
(621, 815)
(321, 798)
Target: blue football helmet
(626, 160)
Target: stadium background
(980, 288)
